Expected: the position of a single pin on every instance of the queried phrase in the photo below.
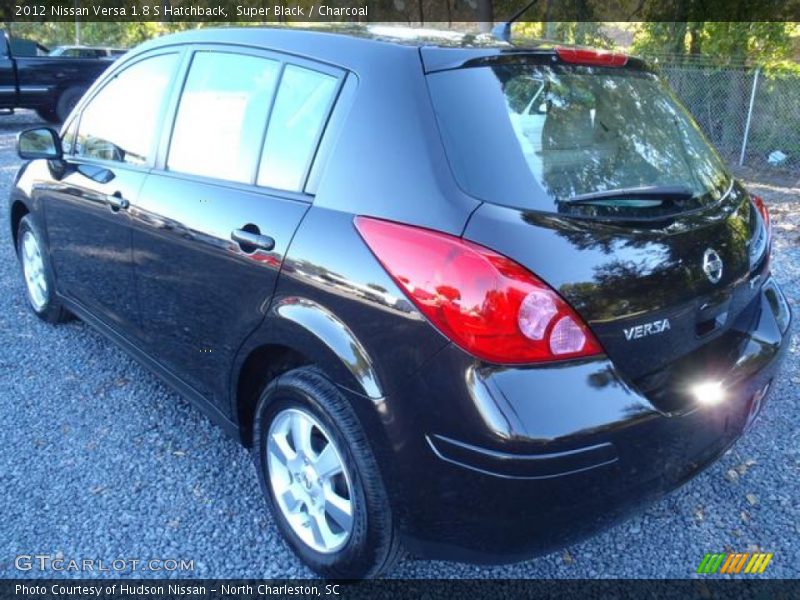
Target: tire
(67, 101)
(369, 546)
(37, 273)
(48, 115)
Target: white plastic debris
(776, 157)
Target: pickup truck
(50, 85)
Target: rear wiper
(652, 195)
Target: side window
(222, 114)
(301, 108)
(120, 122)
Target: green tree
(724, 43)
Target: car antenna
(502, 31)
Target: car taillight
(591, 57)
(761, 207)
(486, 303)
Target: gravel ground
(99, 460)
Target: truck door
(8, 74)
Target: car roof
(346, 43)
(400, 35)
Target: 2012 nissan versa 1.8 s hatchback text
(462, 297)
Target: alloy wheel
(310, 481)
(33, 270)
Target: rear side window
(298, 118)
(222, 114)
(537, 135)
(120, 122)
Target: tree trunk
(679, 39)
(695, 41)
(549, 25)
(581, 28)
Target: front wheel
(38, 273)
(321, 479)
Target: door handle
(249, 239)
(117, 202)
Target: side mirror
(41, 142)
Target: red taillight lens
(761, 207)
(592, 57)
(484, 302)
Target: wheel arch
(18, 210)
(299, 332)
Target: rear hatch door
(596, 179)
(651, 295)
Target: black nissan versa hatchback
(461, 297)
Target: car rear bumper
(507, 463)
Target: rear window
(538, 136)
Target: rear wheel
(309, 480)
(320, 478)
(38, 273)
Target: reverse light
(484, 302)
(709, 392)
(591, 57)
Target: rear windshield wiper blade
(652, 195)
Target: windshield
(537, 136)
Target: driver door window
(120, 123)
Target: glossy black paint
(37, 82)
(544, 454)
(579, 447)
(90, 240)
(619, 272)
(184, 255)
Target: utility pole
(485, 15)
(77, 24)
(749, 115)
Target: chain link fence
(752, 117)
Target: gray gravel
(99, 460)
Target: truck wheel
(67, 101)
(48, 115)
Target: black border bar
(405, 11)
(705, 588)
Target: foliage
(772, 45)
(585, 33)
(768, 44)
(120, 34)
